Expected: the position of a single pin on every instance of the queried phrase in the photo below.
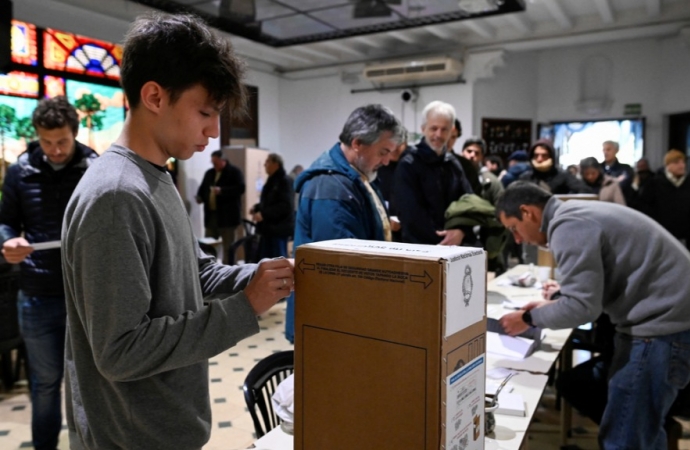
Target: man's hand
(549, 288)
(395, 223)
(273, 280)
(513, 324)
(16, 250)
(257, 217)
(451, 237)
(216, 190)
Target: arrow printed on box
(425, 279)
(302, 266)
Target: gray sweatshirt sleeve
(218, 279)
(577, 245)
(134, 332)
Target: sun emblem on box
(467, 285)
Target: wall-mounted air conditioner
(434, 69)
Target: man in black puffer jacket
(428, 179)
(34, 197)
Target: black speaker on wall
(5, 35)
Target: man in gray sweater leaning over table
(616, 260)
(139, 335)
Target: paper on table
(508, 346)
(513, 301)
(511, 404)
(498, 373)
(491, 387)
(499, 343)
(45, 245)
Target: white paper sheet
(46, 245)
(465, 288)
(511, 404)
(509, 346)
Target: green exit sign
(633, 109)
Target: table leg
(565, 363)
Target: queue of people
(130, 309)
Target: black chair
(249, 243)
(260, 385)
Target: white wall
(313, 112)
(510, 94)
(545, 85)
(674, 70)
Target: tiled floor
(232, 426)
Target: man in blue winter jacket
(35, 194)
(337, 199)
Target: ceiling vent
(437, 69)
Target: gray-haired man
(429, 177)
(336, 197)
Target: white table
(530, 382)
(554, 347)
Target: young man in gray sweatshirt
(616, 260)
(138, 333)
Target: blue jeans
(645, 377)
(42, 323)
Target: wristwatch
(527, 318)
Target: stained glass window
(24, 47)
(101, 112)
(54, 86)
(21, 84)
(79, 54)
(15, 126)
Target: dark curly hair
(56, 112)
(179, 52)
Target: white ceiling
(544, 24)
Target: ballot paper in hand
(45, 245)
(499, 343)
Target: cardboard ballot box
(389, 346)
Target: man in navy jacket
(429, 178)
(35, 195)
